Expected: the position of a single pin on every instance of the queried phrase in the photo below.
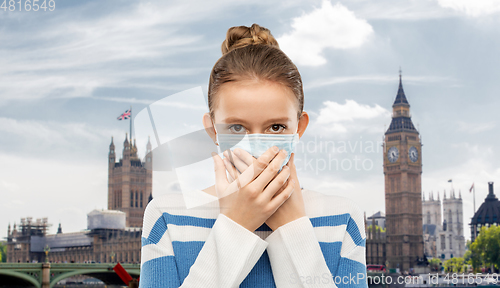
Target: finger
(238, 163)
(271, 170)
(244, 156)
(220, 173)
(233, 174)
(280, 198)
(277, 183)
(291, 164)
(257, 167)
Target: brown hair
(249, 53)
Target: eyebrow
(238, 120)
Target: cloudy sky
(65, 75)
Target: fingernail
(276, 149)
(213, 154)
(236, 152)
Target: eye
(236, 128)
(277, 128)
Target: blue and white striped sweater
(199, 247)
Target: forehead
(255, 100)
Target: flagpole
(130, 124)
(474, 199)
(474, 203)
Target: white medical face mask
(256, 144)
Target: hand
(252, 197)
(291, 209)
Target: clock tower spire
(403, 186)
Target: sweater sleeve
(227, 256)
(297, 259)
(352, 263)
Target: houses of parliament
(111, 235)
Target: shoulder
(319, 204)
(331, 204)
(159, 205)
(174, 205)
(164, 203)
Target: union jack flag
(125, 115)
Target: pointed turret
(438, 196)
(8, 230)
(401, 118)
(111, 155)
(491, 195)
(126, 143)
(149, 156)
(400, 97)
(444, 194)
(133, 150)
(59, 229)
(112, 145)
(126, 148)
(459, 194)
(148, 146)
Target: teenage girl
(261, 229)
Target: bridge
(46, 275)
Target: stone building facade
(444, 239)
(112, 235)
(130, 182)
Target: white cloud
(399, 10)
(9, 186)
(63, 191)
(473, 128)
(73, 54)
(351, 117)
(76, 141)
(377, 79)
(472, 8)
(52, 133)
(326, 27)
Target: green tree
(3, 252)
(434, 264)
(455, 264)
(377, 228)
(485, 250)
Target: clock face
(413, 154)
(393, 154)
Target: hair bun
(241, 36)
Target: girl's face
(255, 106)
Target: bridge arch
(96, 273)
(22, 276)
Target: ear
(303, 122)
(209, 128)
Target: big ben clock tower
(402, 170)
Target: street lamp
(46, 250)
(112, 256)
